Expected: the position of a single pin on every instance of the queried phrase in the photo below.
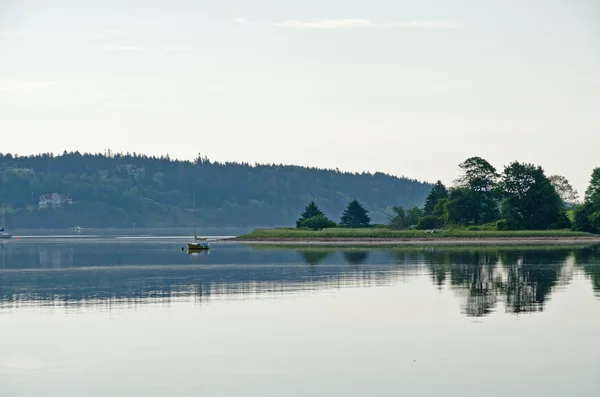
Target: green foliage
(310, 211)
(592, 193)
(106, 192)
(403, 219)
(438, 192)
(529, 199)
(430, 222)
(504, 224)
(317, 222)
(474, 199)
(440, 207)
(290, 233)
(587, 215)
(459, 209)
(355, 216)
(567, 193)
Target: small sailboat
(199, 244)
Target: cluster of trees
(160, 191)
(355, 216)
(522, 197)
(587, 215)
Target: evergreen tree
(355, 215)
(437, 193)
(310, 211)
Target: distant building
(54, 200)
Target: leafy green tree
(459, 208)
(403, 219)
(587, 215)
(437, 193)
(479, 178)
(317, 222)
(592, 193)
(355, 215)
(567, 193)
(529, 199)
(310, 211)
(440, 208)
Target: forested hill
(122, 190)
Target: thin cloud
(19, 85)
(365, 23)
(425, 24)
(327, 24)
(123, 48)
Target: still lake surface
(138, 317)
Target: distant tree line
(122, 190)
(522, 197)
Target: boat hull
(198, 246)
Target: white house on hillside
(54, 200)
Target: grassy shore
(387, 237)
(261, 234)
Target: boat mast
(194, 220)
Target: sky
(408, 88)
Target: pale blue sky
(405, 87)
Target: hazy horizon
(390, 86)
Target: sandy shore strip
(333, 241)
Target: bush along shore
(520, 205)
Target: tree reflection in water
(589, 260)
(522, 278)
(356, 257)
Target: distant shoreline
(446, 241)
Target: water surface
(123, 317)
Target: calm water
(138, 317)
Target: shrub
(563, 222)
(504, 224)
(317, 222)
(430, 222)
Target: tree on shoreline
(474, 198)
(313, 218)
(529, 201)
(567, 193)
(311, 210)
(438, 192)
(587, 215)
(403, 219)
(355, 215)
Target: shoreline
(446, 241)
